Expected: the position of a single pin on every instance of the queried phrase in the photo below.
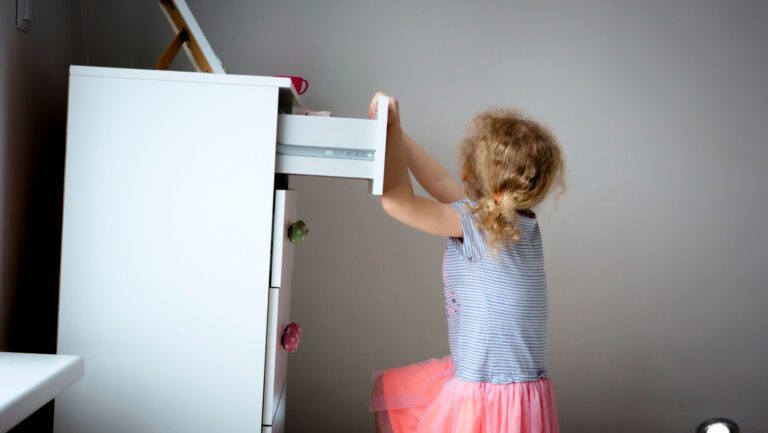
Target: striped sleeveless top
(496, 306)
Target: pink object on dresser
(299, 83)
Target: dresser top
(283, 83)
(203, 77)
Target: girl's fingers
(374, 105)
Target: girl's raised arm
(430, 174)
(398, 199)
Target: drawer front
(278, 424)
(332, 146)
(276, 363)
(282, 247)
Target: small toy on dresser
(299, 83)
(302, 85)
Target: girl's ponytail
(497, 215)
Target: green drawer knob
(297, 232)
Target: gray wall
(33, 98)
(657, 253)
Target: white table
(28, 381)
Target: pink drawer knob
(291, 337)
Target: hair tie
(497, 197)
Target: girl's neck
(526, 212)
(474, 195)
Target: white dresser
(176, 263)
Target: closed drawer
(279, 300)
(336, 147)
(276, 362)
(282, 247)
(278, 423)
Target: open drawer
(334, 146)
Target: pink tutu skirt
(425, 397)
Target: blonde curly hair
(510, 163)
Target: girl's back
(496, 304)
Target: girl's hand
(393, 116)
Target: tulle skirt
(425, 397)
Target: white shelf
(29, 381)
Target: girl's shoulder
(472, 243)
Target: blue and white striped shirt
(496, 306)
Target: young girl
(495, 380)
